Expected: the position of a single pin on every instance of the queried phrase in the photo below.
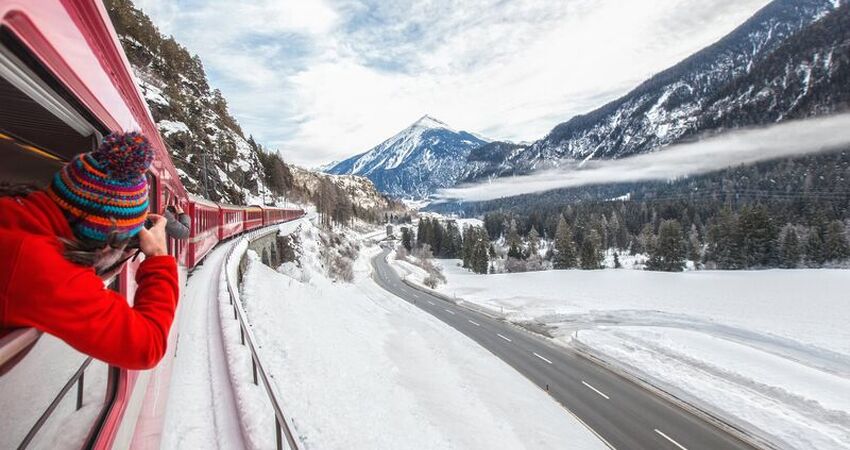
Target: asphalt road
(622, 413)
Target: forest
(783, 213)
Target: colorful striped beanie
(106, 189)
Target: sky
(322, 80)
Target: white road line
(430, 302)
(670, 439)
(544, 359)
(450, 312)
(476, 324)
(595, 390)
(497, 334)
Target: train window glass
(39, 128)
(67, 426)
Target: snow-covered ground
(201, 411)
(767, 349)
(359, 368)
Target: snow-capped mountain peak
(427, 155)
(431, 123)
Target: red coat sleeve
(71, 303)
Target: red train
(214, 222)
(64, 83)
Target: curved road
(623, 414)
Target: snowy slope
(359, 368)
(768, 349)
(670, 106)
(421, 158)
(201, 411)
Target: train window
(39, 126)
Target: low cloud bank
(734, 148)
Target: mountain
(673, 105)
(423, 157)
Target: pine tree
(452, 241)
(758, 236)
(790, 248)
(406, 238)
(815, 255)
(617, 264)
(725, 242)
(480, 259)
(533, 242)
(694, 246)
(565, 253)
(646, 240)
(668, 253)
(835, 242)
(590, 254)
(467, 247)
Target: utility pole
(206, 175)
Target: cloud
(734, 148)
(324, 79)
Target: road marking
(450, 312)
(476, 324)
(595, 390)
(670, 439)
(430, 302)
(497, 334)
(544, 359)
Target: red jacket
(39, 288)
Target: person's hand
(152, 240)
(178, 208)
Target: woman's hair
(100, 255)
(17, 189)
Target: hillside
(677, 103)
(213, 155)
(360, 190)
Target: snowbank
(359, 368)
(768, 349)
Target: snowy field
(766, 349)
(360, 368)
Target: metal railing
(15, 346)
(247, 339)
(77, 379)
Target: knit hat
(106, 190)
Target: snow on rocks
(169, 127)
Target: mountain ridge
(665, 108)
(424, 156)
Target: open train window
(40, 125)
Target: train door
(52, 395)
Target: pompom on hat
(106, 190)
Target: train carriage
(231, 221)
(204, 228)
(253, 218)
